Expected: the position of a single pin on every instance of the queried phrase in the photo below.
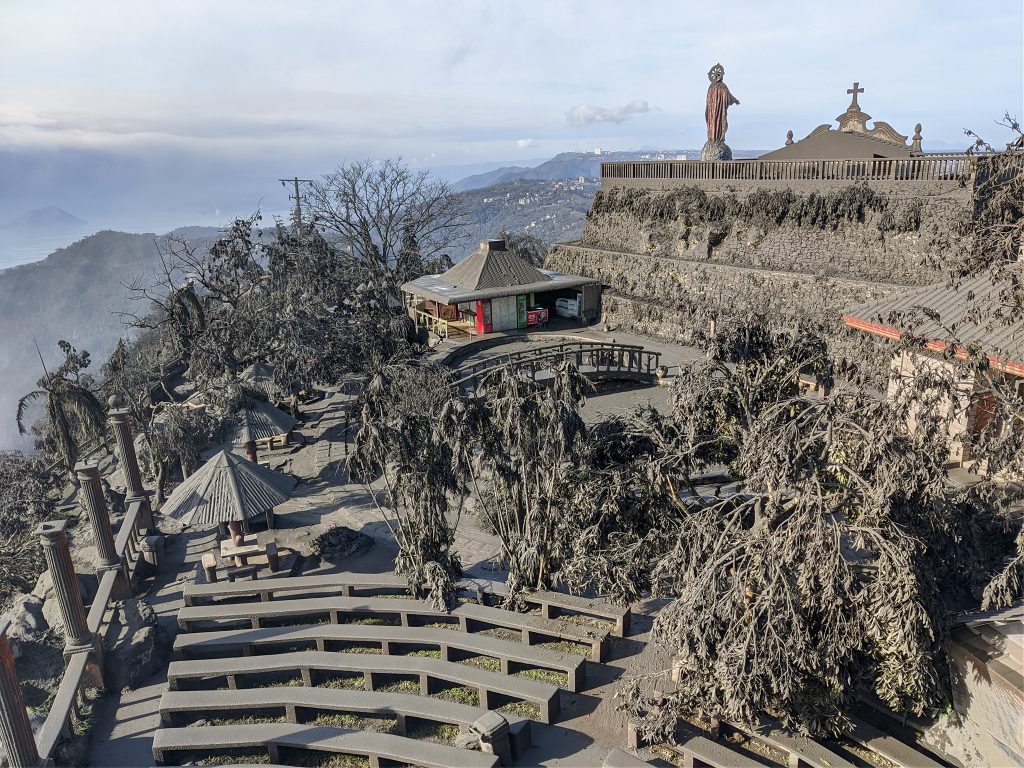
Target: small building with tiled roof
(493, 290)
(978, 314)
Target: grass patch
(442, 733)
(359, 649)
(522, 709)
(502, 634)
(483, 662)
(233, 758)
(425, 654)
(357, 723)
(402, 686)
(245, 720)
(291, 682)
(311, 759)
(545, 676)
(346, 682)
(375, 621)
(460, 695)
(585, 621)
(566, 647)
(442, 625)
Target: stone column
(99, 516)
(65, 585)
(122, 430)
(107, 558)
(250, 451)
(15, 728)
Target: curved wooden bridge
(597, 360)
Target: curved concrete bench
(544, 695)
(299, 705)
(801, 749)
(407, 610)
(452, 645)
(273, 736)
(348, 584)
(710, 753)
(889, 747)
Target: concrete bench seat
(699, 749)
(409, 612)
(300, 705)
(889, 747)
(378, 747)
(350, 584)
(452, 645)
(802, 750)
(312, 665)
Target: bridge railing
(601, 357)
(931, 168)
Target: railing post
(65, 588)
(122, 430)
(15, 728)
(99, 517)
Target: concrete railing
(434, 324)
(951, 168)
(117, 559)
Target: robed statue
(716, 115)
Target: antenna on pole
(297, 197)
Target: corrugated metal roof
(492, 266)
(954, 307)
(260, 376)
(226, 488)
(262, 421)
(436, 288)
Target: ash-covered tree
(72, 414)
(528, 247)
(403, 443)
(519, 443)
(395, 222)
(826, 573)
(28, 496)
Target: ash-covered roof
(491, 272)
(261, 421)
(226, 488)
(963, 314)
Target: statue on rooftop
(715, 113)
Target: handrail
(929, 168)
(127, 545)
(603, 356)
(437, 325)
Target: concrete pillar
(99, 516)
(126, 452)
(107, 559)
(122, 430)
(65, 585)
(250, 451)
(15, 728)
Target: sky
(110, 103)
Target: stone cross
(855, 90)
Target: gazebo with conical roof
(261, 423)
(228, 489)
(494, 289)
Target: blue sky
(273, 88)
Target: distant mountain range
(572, 165)
(45, 220)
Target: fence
(934, 168)
(596, 359)
(431, 323)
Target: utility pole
(297, 197)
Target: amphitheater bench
(452, 645)
(802, 751)
(889, 747)
(312, 666)
(349, 584)
(408, 611)
(380, 748)
(698, 749)
(509, 737)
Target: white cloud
(526, 143)
(587, 114)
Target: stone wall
(903, 233)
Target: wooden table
(250, 546)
